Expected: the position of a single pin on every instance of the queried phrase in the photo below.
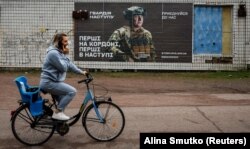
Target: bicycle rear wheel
(31, 130)
(112, 126)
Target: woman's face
(65, 41)
(138, 21)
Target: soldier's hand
(119, 52)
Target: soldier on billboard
(135, 42)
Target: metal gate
(207, 30)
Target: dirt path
(145, 90)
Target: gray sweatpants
(64, 92)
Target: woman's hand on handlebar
(88, 79)
(85, 73)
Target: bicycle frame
(88, 97)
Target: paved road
(234, 118)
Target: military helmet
(132, 11)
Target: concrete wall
(27, 26)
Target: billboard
(134, 32)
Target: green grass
(193, 75)
(149, 74)
(216, 75)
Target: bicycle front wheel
(31, 130)
(112, 126)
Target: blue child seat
(30, 95)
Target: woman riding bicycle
(53, 74)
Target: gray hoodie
(56, 65)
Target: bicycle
(102, 119)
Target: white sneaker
(60, 116)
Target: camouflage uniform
(133, 45)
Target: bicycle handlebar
(87, 80)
